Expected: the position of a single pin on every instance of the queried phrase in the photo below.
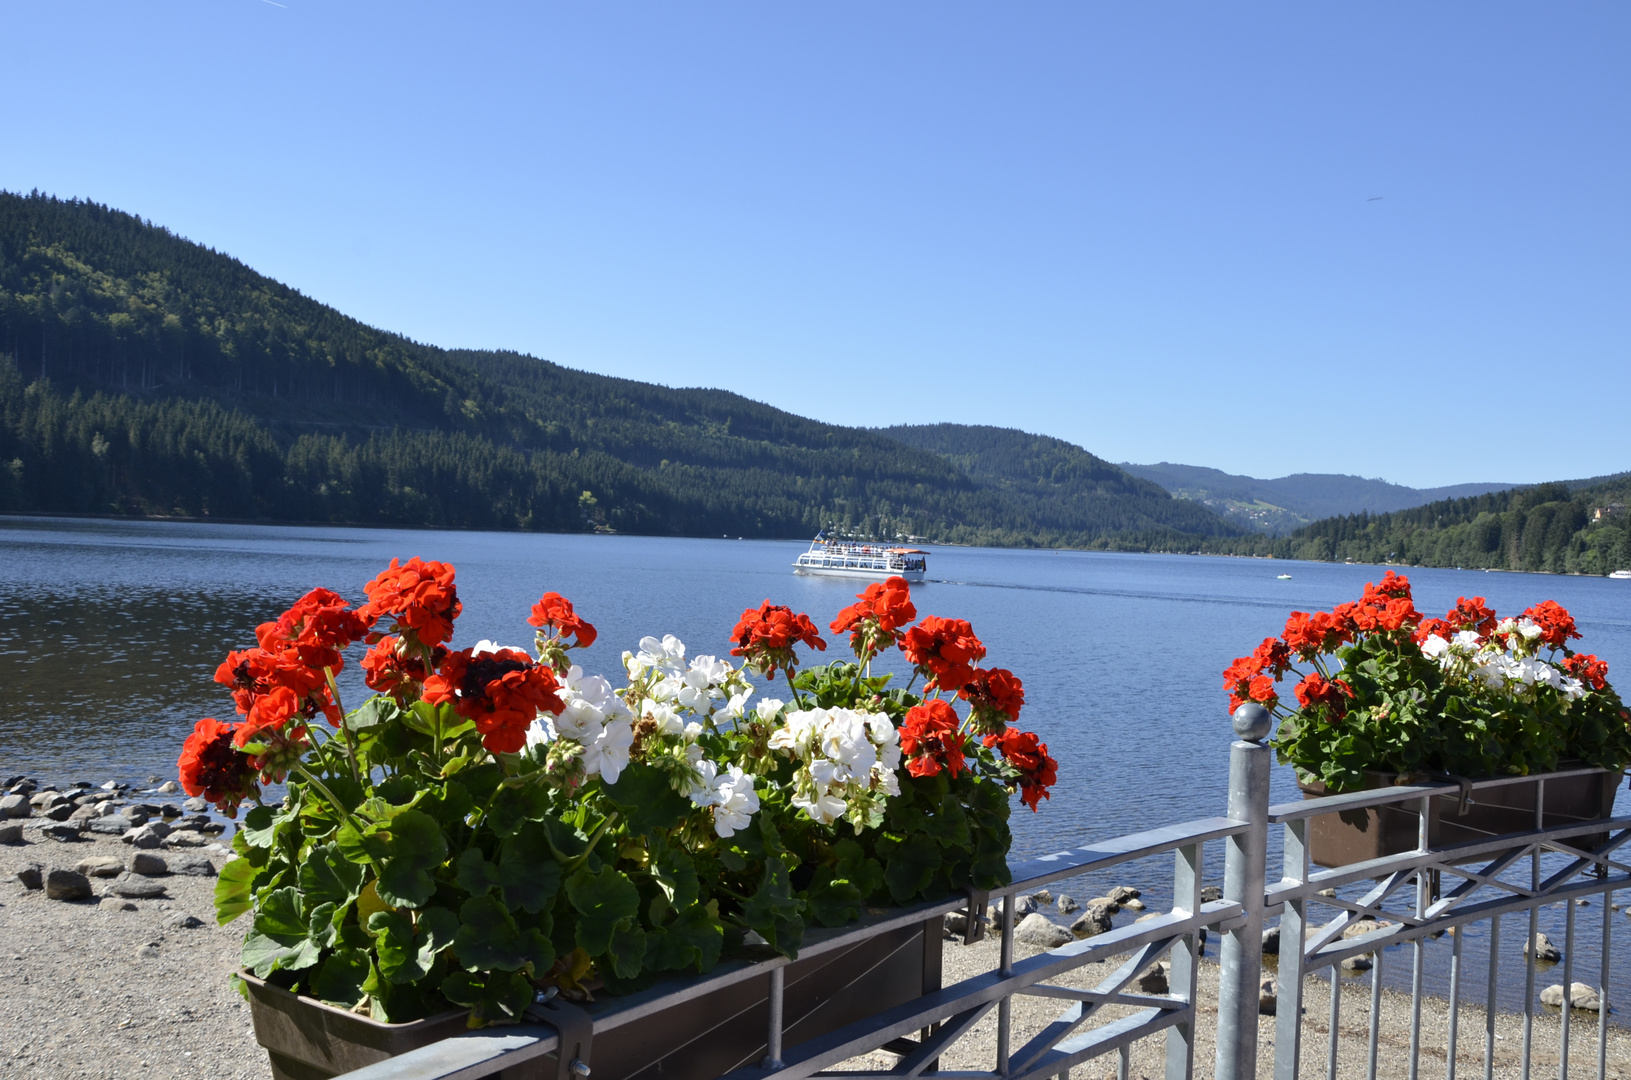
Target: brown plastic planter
(694, 1039)
(1353, 836)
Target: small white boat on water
(847, 558)
(1621, 575)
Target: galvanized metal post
(1240, 955)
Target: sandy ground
(89, 991)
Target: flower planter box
(696, 1038)
(1354, 836)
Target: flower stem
(350, 747)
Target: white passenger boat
(846, 558)
(1620, 575)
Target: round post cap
(1252, 722)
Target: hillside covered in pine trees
(141, 373)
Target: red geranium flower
(422, 597)
(554, 613)
(1588, 669)
(1471, 615)
(1392, 585)
(1431, 627)
(945, 650)
(1309, 635)
(501, 691)
(391, 669)
(766, 637)
(1038, 770)
(316, 628)
(254, 673)
(1555, 622)
(996, 696)
(875, 619)
(212, 767)
(1315, 689)
(930, 741)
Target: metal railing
(1565, 863)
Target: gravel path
(90, 990)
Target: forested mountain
(1558, 527)
(1281, 505)
(142, 373)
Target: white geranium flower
(485, 646)
(608, 755)
(729, 795)
(737, 707)
(1435, 647)
(666, 655)
(768, 708)
(665, 716)
(822, 809)
(707, 671)
(541, 730)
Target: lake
(111, 632)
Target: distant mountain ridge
(1282, 505)
(142, 373)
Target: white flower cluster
(594, 718)
(1506, 662)
(847, 763)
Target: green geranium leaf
(416, 847)
(258, 828)
(693, 940)
(832, 901)
(323, 925)
(675, 873)
(476, 875)
(451, 805)
(773, 911)
(648, 804)
(280, 937)
(908, 867)
(494, 997)
(528, 872)
(602, 900)
(857, 868)
(628, 949)
(234, 889)
(949, 825)
(327, 876)
(512, 807)
(406, 954)
(341, 979)
(369, 845)
(488, 938)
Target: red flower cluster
(1316, 689)
(945, 650)
(766, 637)
(1555, 622)
(501, 691)
(212, 766)
(1433, 627)
(420, 595)
(1588, 669)
(930, 741)
(1471, 615)
(876, 618)
(995, 696)
(553, 612)
(1245, 679)
(1037, 770)
(392, 668)
(316, 628)
(1308, 635)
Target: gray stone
(957, 923)
(1095, 920)
(1361, 927)
(190, 864)
(1271, 940)
(112, 825)
(150, 951)
(15, 806)
(61, 811)
(1328, 892)
(195, 804)
(11, 833)
(1043, 897)
(83, 815)
(1109, 906)
(111, 785)
(1123, 893)
(1147, 917)
(169, 811)
(1581, 996)
(101, 866)
(1133, 904)
(1025, 905)
(147, 864)
(1362, 962)
(1066, 904)
(1210, 894)
(1268, 996)
(65, 832)
(169, 787)
(114, 903)
(185, 840)
(144, 837)
(1037, 929)
(1155, 979)
(182, 921)
(134, 814)
(1545, 951)
(67, 885)
(31, 876)
(136, 887)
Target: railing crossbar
(1085, 1009)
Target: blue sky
(1150, 229)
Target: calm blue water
(110, 632)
